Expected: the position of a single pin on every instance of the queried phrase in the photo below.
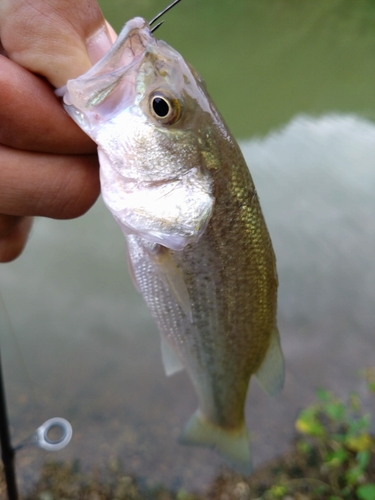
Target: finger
(98, 44)
(32, 118)
(61, 187)
(8, 224)
(14, 233)
(50, 37)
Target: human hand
(48, 166)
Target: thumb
(57, 39)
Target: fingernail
(98, 44)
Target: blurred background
(295, 83)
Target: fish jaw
(109, 86)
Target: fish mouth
(111, 83)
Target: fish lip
(82, 97)
(133, 40)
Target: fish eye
(160, 107)
(165, 109)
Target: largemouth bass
(199, 250)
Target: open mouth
(110, 84)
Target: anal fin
(270, 375)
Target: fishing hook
(156, 27)
(158, 16)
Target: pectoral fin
(172, 363)
(271, 372)
(173, 279)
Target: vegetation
(340, 433)
(335, 440)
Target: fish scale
(199, 250)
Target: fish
(199, 251)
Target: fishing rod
(41, 437)
(7, 452)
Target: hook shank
(163, 12)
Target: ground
(298, 474)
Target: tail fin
(232, 445)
